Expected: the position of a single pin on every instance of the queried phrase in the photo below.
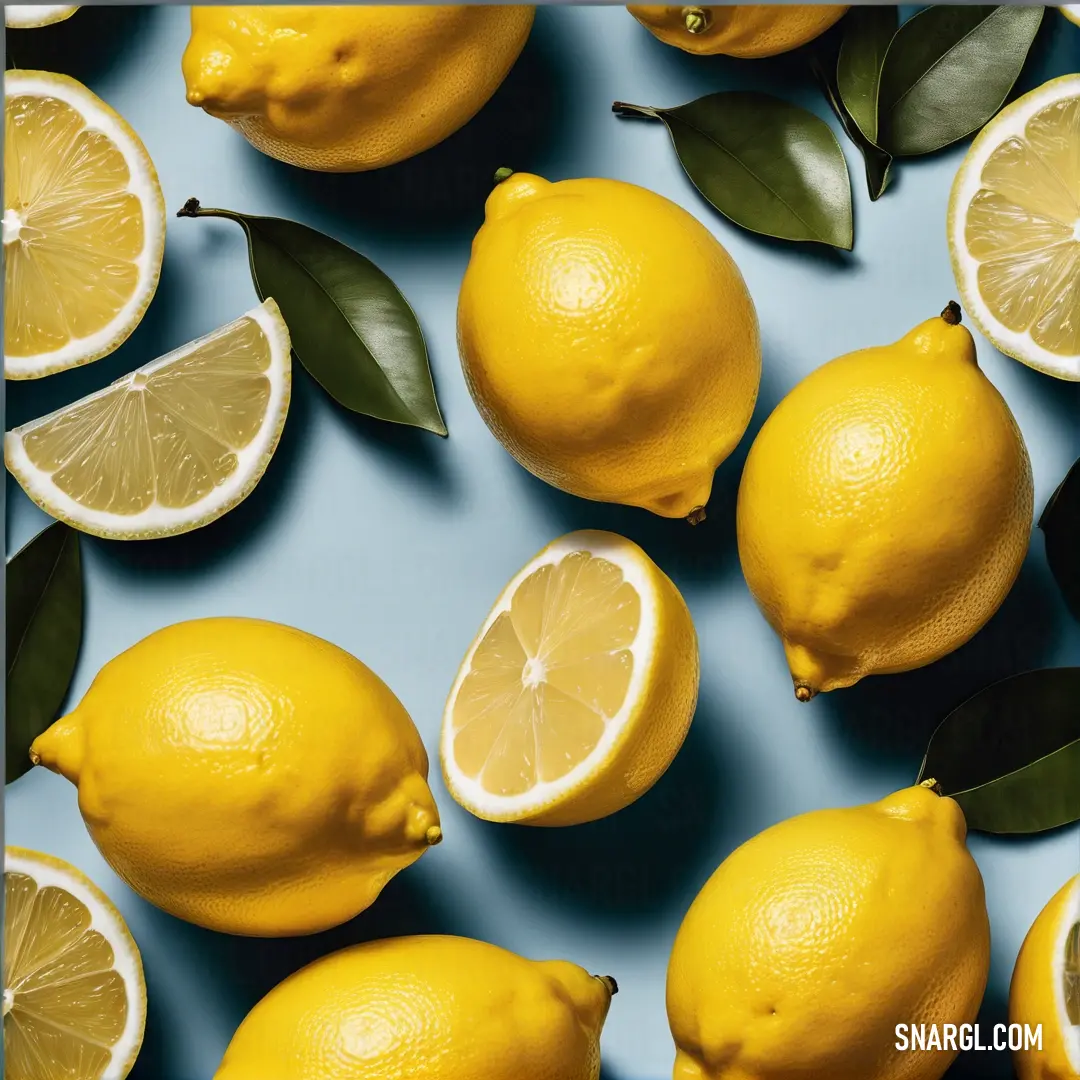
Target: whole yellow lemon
(246, 776)
(813, 940)
(745, 30)
(345, 89)
(608, 341)
(1045, 989)
(426, 1008)
(885, 508)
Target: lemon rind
(47, 870)
(1070, 1034)
(32, 16)
(1072, 13)
(144, 184)
(547, 795)
(157, 521)
(1011, 121)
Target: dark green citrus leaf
(948, 70)
(765, 164)
(44, 629)
(350, 326)
(1010, 755)
(1060, 523)
(867, 33)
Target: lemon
(1014, 229)
(344, 89)
(84, 225)
(1046, 989)
(426, 1008)
(246, 776)
(745, 30)
(814, 939)
(608, 341)
(885, 508)
(578, 691)
(74, 996)
(1071, 12)
(171, 446)
(25, 16)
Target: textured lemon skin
(654, 732)
(427, 1008)
(608, 340)
(1034, 997)
(246, 776)
(815, 938)
(745, 30)
(885, 509)
(346, 89)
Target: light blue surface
(393, 543)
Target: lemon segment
(169, 447)
(83, 226)
(27, 16)
(588, 661)
(74, 996)
(1014, 229)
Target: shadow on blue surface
(645, 859)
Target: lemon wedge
(1045, 989)
(27, 16)
(578, 691)
(74, 996)
(1014, 229)
(171, 446)
(83, 226)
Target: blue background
(393, 543)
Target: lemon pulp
(1023, 228)
(548, 676)
(1072, 974)
(73, 231)
(65, 1005)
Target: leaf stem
(193, 208)
(634, 112)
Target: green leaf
(877, 164)
(44, 629)
(765, 164)
(1010, 755)
(948, 70)
(350, 326)
(1060, 523)
(867, 33)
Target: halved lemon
(578, 691)
(1071, 12)
(1014, 229)
(27, 16)
(171, 446)
(83, 225)
(1045, 989)
(74, 996)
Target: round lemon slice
(1045, 989)
(74, 996)
(28, 16)
(171, 446)
(578, 691)
(1071, 12)
(1014, 229)
(83, 225)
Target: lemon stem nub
(932, 785)
(433, 836)
(503, 174)
(609, 982)
(696, 516)
(803, 692)
(695, 19)
(952, 313)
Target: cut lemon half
(84, 225)
(74, 996)
(1014, 229)
(1071, 12)
(27, 16)
(1046, 989)
(169, 447)
(578, 691)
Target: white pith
(126, 959)
(143, 184)
(158, 520)
(27, 16)
(1009, 123)
(544, 795)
